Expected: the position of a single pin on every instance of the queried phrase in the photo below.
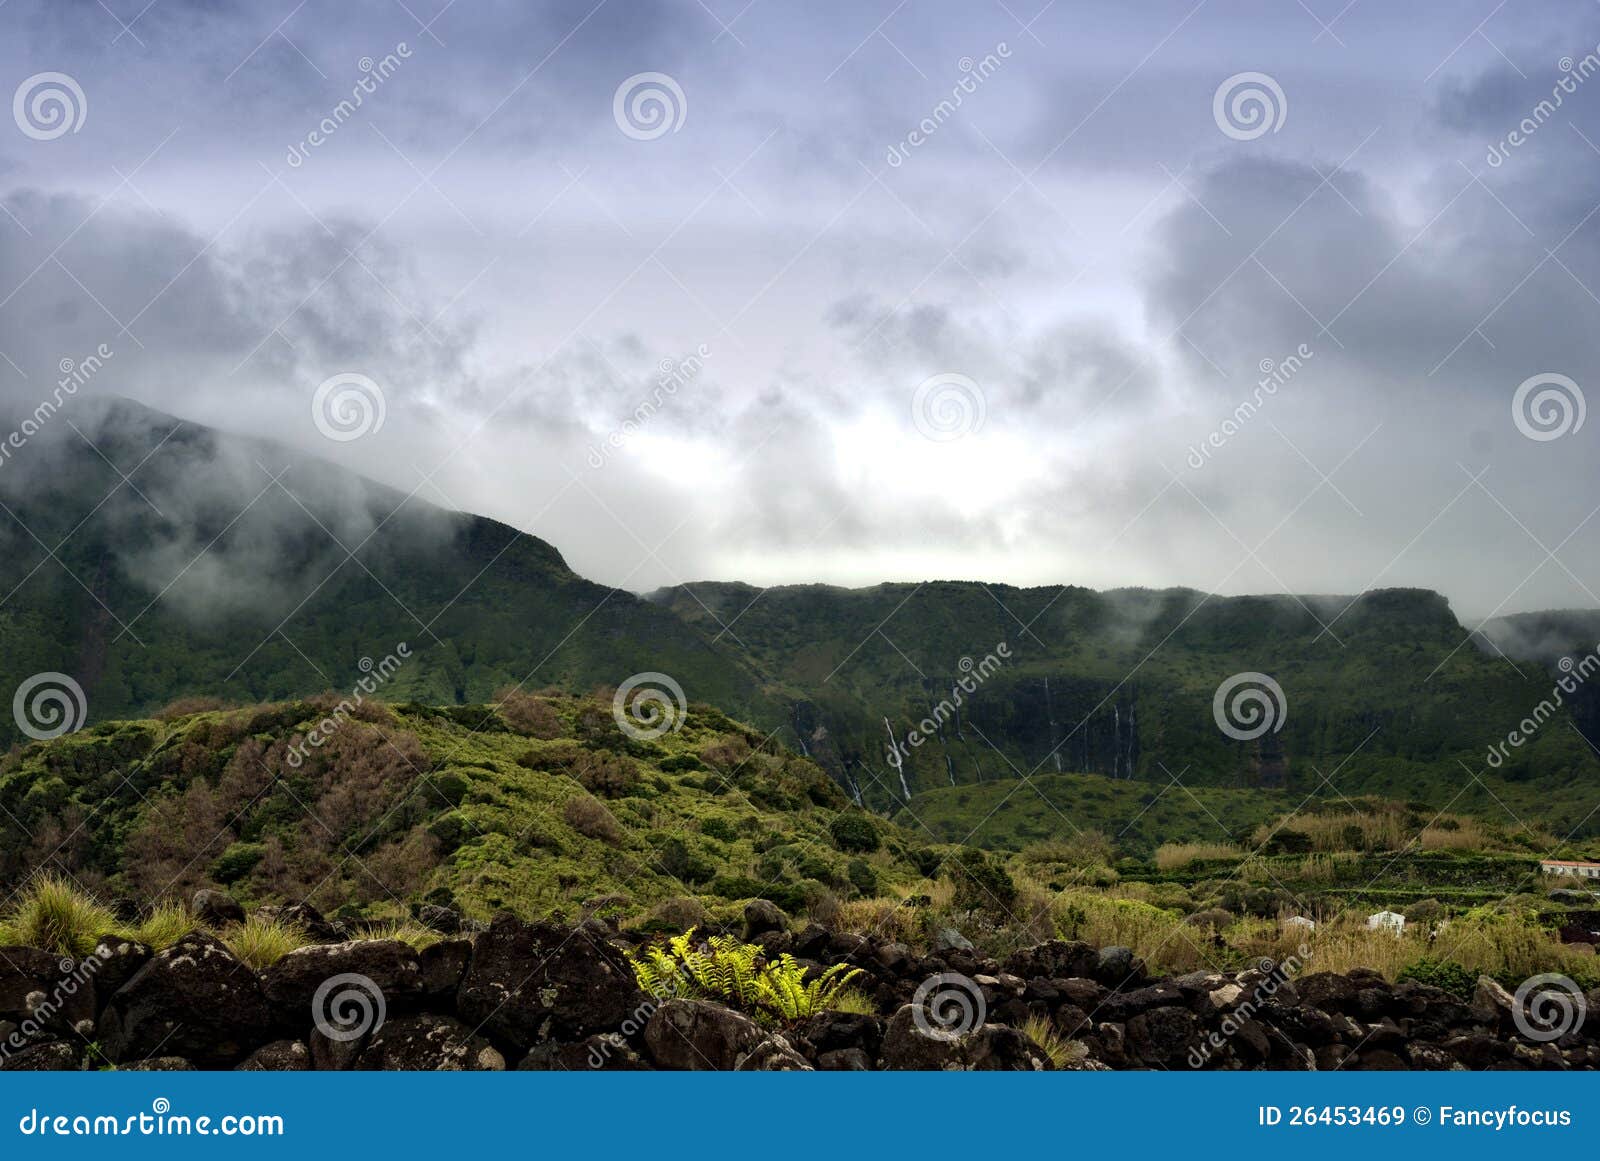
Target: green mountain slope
(1393, 698)
(238, 569)
(539, 806)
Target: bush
(589, 817)
(863, 878)
(719, 828)
(674, 858)
(854, 832)
(1446, 975)
(236, 862)
(529, 715)
(981, 883)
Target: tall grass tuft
(54, 915)
(260, 943)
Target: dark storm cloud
(1076, 236)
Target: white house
(1570, 867)
(1391, 921)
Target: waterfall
(897, 761)
(1116, 741)
(1050, 717)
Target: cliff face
(1124, 684)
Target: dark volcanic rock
(760, 917)
(47, 1056)
(531, 982)
(696, 1036)
(194, 1000)
(429, 1043)
(279, 1056)
(216, 908)
(341, 972)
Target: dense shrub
(590, 818)
(854, 832)
(1447, 975)
(980, 882)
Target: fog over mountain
(1098, 268)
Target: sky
(1249, 297)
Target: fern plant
(774, 991)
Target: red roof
(1566, 863)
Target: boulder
(1327, 990)
(949, 939)
(602, 1052)
(443, 965)
(338, 983)
(216, 908)
(157, 1064)
(428, 1043)
(840, 1031)
(1056, 959)
(194, 1000)
(279, 1056)
(120, 960)
(775, 1053)
(844, 1060)
(1162, 1037)
(304, 916)
(761, 916)
(531, 982)
(698, 1036)
(46, 1056)
(1118, 967)
(908, 1046)
(43, 993)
